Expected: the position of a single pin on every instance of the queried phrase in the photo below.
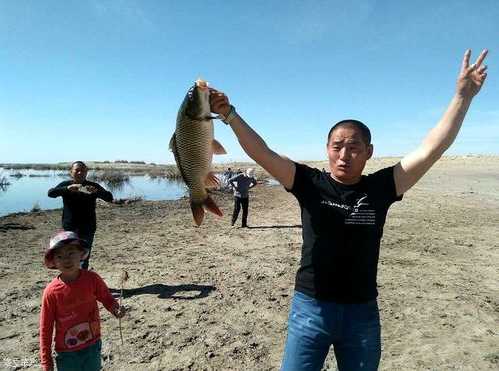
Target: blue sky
(103, 80)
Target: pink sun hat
(61, 239)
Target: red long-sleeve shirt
(72, 307)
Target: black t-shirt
(342, 230)
(78, 212)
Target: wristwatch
(227, 119)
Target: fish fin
(211, 206)
(211, 180)
(197, 213)
(218, 149)
(172, 144)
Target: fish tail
(197, 213)
(198, 210)
(211, 206)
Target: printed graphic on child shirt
(77, 335)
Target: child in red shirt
(70, 303)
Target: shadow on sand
(185, 292)
(274, 226)
(7, 226)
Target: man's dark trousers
(238, 202)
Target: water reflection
(25, 191)
(4, 183)
(4, 186)
(39, 175)
(164, 180)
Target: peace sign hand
(471, 78)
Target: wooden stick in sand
(124, 278)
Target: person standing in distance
(343, 213)
(79, 198)
(241, 183)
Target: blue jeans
(86, 359)
(353, 330)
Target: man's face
(79, 173)
(347, 153)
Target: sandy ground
(217, 297)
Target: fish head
(196, 103)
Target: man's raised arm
(281, 168)
(414, 165)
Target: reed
(173, 173)
(115, 180)
(4, 181)
(167, 172)
(124, 278)
(109, 176)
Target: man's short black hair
(81, 163)
(364, 130)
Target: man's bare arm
(414, 165)
(280, 167)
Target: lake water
(31, 189)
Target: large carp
(193, 146)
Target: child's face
(67, 258)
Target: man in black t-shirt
(343, 213)
(78, 198)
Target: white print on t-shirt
(360, 203)
(334, 204)
(356, 215)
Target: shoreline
(137, 167)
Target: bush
(115, 180)
(170, 172)
(128, 201)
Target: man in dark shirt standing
(241, 183)
(343, 213)
(78, 197)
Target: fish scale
(193, 143)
